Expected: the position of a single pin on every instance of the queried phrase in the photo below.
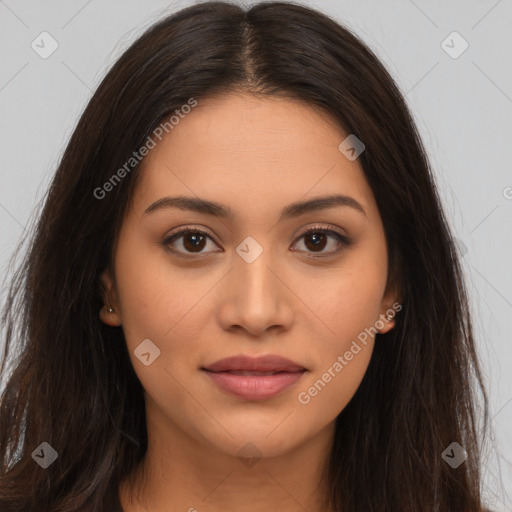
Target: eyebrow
(215, 209)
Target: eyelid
(329, 228)
(185, 229)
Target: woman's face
(252, 283)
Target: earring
(108, 309)
(390, 316)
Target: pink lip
(254, 378)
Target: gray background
(462, 106)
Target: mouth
(251, 378)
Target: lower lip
(254, 387)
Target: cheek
(331, 388)
(144, 292)
(347, 299)
(157, 304)
(348, 302)
(343, 356)
(161, 302)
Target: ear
(390, 305)
(110, 299)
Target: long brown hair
(71, 382)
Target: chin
(265, 438)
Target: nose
(255, 298)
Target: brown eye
(193, 241)
(317, 239)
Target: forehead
(253, 153)
(242, 126)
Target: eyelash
(344, 241)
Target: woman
(242, 291)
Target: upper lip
(268, 363)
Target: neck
(182, 472)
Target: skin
(256, 156)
